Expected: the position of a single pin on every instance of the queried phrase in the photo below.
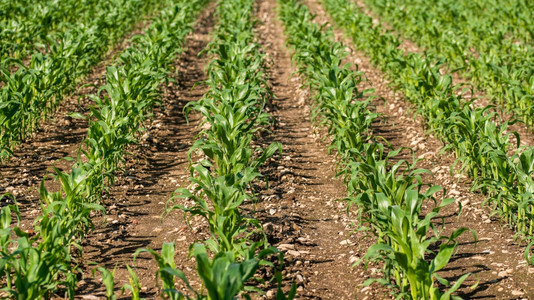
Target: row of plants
(48, 260)
(223, 165)
(508, 19)
(25, 27)
(388, 192)
(513, 17)
(478, 138)
(35, 90)
(481, 50)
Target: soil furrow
(158, 165)
(300, 213)
(497, 262)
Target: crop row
(221, 181)
(388, 193)
(32, 92)
(509, 19)
(40, 264)
(513, 19)
(476, 136)
(25, 27)
(483, 52)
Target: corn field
(266, 149)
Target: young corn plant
(233, 109)
(404, 254)
(221, 181)
(390, 195)
(42, 263)
(223, 277)
(217, 200)
(134, 286)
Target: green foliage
(477, 39)
(233, 109)
(134, 286)
(389, 193)
(108, 278)
(477, 136)
(32, 91)
(230, 230)
(221, 181)
(38, 266)
(223, 276)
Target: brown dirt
(157, 167)
(497, 261)
(300, 211)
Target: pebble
(12, 190)
(300, 278)
(284, 247)
(454, 192)
(517, 293)
(293, 253)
